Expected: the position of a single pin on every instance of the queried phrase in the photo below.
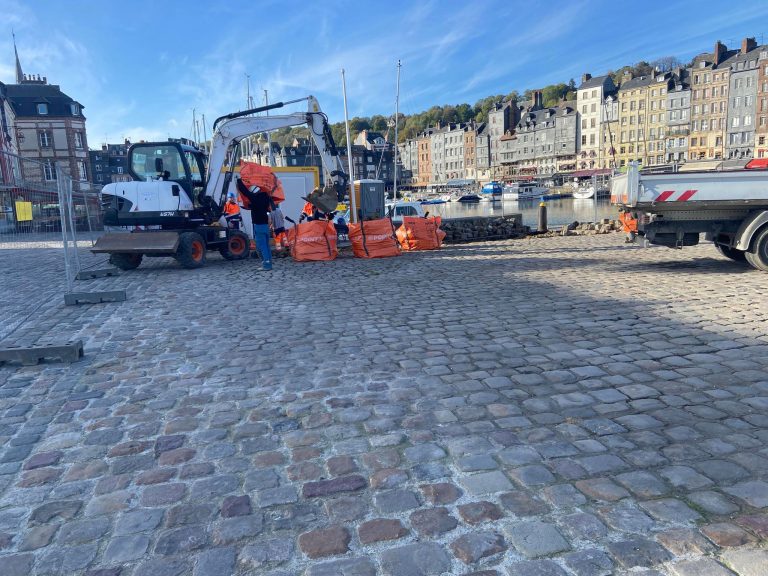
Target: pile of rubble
(459, 230)
(604, 226)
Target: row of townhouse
(716, 110)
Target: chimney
(536, 100)
(720, 50)
(747, 45)
(585, 77)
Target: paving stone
(267, 552)
(670, 510)
(350, 483)
(441, 493)
(58, 510)
(698, 567)
(642, 484)
(433, 521)
(126, 548)
(754, 492)
(713, 502)
(746, 562)
(395, 501)
(478, 512)
(602, 489)
(563, 496)
(685, 541)
(726, 535)
(276, 496)
(535, 568)
(65, 559)
(474, 546)
(381, 529)
(236, 506)
(18, 564)
(388, 478)
(535, 475)
(164, 567)
(346, 509)
(344, 567)
(523, 504)
(163, 494)
(82, 531)
(237, 528)
(215, 562)
(758, 524)
(589, 562)
(625, 517)
(534, 539)
(140, 520)
(638, 552)
(486, 483)
(422, 559)
(325, 542)
(181, 540)
(37, 537)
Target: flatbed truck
(673, 209)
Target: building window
(75, 109)
(45, 139)
(98, 167)
(119, 169)
(98, 178)
(78, 139)
(49, 171)
(748, 120)
(42, 109)
(736, 122)
(81, 171)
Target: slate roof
(593, 82)
(25, 97)
(638, 82)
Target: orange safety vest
(629, 224)
(231, 208)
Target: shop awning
(590, 173)
(460, 183)
(694, 166)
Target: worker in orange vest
(629, 225)
(231, 212)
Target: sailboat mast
(269, 134)
(397, 114)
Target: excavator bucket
(137, 243)
(324, 199)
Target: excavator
(174, 202)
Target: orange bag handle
(362, 231)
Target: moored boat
(524, 191)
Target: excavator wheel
(191, 250)
(236, 248)
(125, 261)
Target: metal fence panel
(40, 252)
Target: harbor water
(559, 212)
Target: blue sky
(140, 67)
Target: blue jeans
(261, 235)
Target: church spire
(19, 73)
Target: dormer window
(75, 108)
(42, 109)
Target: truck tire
(759, 257)
(125, 261)
(236, 248)
(191, 250)
(732, 253)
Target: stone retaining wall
(459, 230)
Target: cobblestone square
(556, 406)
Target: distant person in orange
(629, 225)
(231, 212)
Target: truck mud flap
(137, 243)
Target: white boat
(584, 192)
(523, 191)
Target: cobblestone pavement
(545, 407)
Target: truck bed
(686, 191)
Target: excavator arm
(231, 129)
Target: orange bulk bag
(253, 174)
(313, 241)
(374, 239)
(420, 233)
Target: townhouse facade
(590, 100)
(742, 98)
(761, 104)
(678, 115)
